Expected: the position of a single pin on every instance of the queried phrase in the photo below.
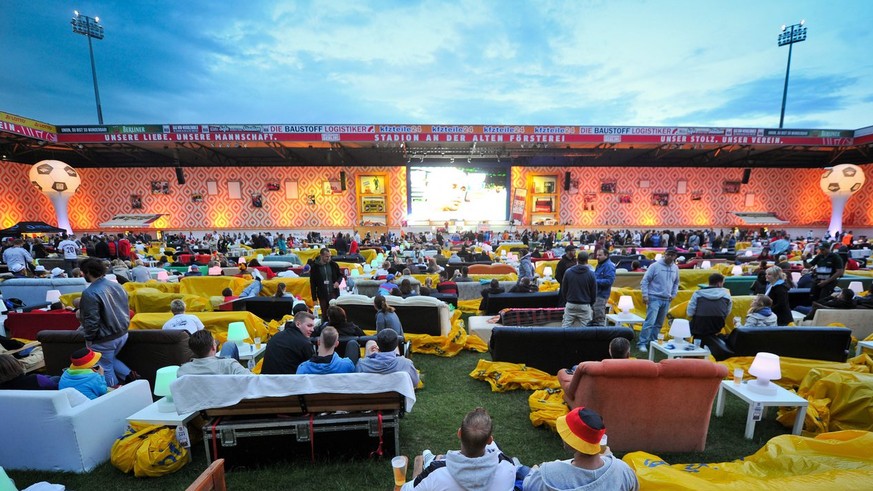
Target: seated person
(193, 270)
(455, 259)
(383, 272)
(464, 278)
(386, 318)
(493, 287)
(760, 314)
(479, 465)
(581, 431)
(446, 286)
(759, 287)
(325, 359)
(84, 374)
(709, 307)
(406, 289)
(290, 347)
(228, 295)
(388, 287)
(12, 377)
(806, 279)
(280, 291)
(845, 301)
(181, 320)
(524, 285)
(619, 348)
(254, 288)
(636, 267)
(427, 288)
(386, 360)
(336, 317)
(205, 361)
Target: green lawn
(448, 394)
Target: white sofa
(62, 430)
(32, 291)
(860, 321)
(418, 314)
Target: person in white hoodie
(479, 465)
(760, 314)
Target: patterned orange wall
(793, 194)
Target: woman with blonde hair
(777, 290)
(760, 313)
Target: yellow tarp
(547, 405)
(158, 285)
(469, 306)
(840, 460)
(367, 254)
(67, 298)
(838, 400)
(498, 277)
(299, 287)
(739, 308)
(503, 376)
(146, 300)
(540, 266)
(306, 255)
(211, 286)
(550, 286)
(449, 345)
(640, 308)
(350, 266)
(215, 322)
(690, 278)
(795, 369)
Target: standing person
(578, 293)
(567, 261)
(105, 318)
(828, 267)
(17, 258)
(582, 430)
(660, 285)
(289, 348)
(777, 290)
(525, 266)
(604, 275)
(70, 250)
(324, 279)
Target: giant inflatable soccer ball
(54, 176)
(844, 179)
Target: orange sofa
(496, 268)
(653, 407)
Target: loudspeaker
(180, 175)
(343, 180)
(747, 173)
(566, 181)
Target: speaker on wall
(343, 180)
(180, 175)
(567, 181)
(747, 173)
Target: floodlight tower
(91, 28)
(790, 34)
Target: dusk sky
(664, 62)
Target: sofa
(28, 324)
(371, 287)
(648, 406)
(552, 348)
(267, 308)
(814, 343)
(62, 430)
(496, 268)
(499, 301)
(472, 290)
(31, 291)
(145, 352)
(860, 321)
(418, 315)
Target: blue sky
(579, 62)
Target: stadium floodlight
(795, 33)
(91, 28)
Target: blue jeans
(656, 311)
(229, 350)
(113, 368)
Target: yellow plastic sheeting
(299, 287)
(690, 278)
(447, 346)
(423, 277)
(838, 400)
(306, 255)
(498, 277)
(211, 286)
(550, 286)
(469, 306)
(215, 322)
(795, 369)
(147, 300)
(158, 285)
(547, 405)
(367, 254)
(67, 298)
(350, 266)
(155, 251)
(682, 296)
(840, 460)
(739, 308)
(540, 266)
(503, 376)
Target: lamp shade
(680, 329)
(547, 271)
(260, 257)
(626, 303)
(766, 366)
(355, 273)
(855, 286)
(215, 271)
(53, 296)
(368, 269)
(241, 260)
(737, 270)
(237, 332)
(163, 275)
(706, 265)
(163, 378)
(795, 277)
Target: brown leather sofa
(648, 406)
(146, 350)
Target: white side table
(624, 320)
(798, 317)
(677, 351)
(151, 415)
(781, 398)
(249, 352)
(861, 345)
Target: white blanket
(198, 392)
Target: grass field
(448, 394)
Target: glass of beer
(660, 338)
(399, 465)
(258, 343)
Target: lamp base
(166, 405)
(764, 387)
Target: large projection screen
(470, 193)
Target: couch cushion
(815, 343)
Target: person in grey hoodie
(660, 285)
(760, 314)
(386, 360)
(479, 465)
(709, 307)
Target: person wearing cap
(386, 360)
(105, 317)
(388, 287)
(582, 430)
(40, 271)
(194, 270)
(828, 268)
(58, 273)
(567, 261)
(659, 286)
(479, 465)
(85, 374)
(17, 258)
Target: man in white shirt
(70, 249)
(181, 320)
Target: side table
(781, 398)
(672, 350)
